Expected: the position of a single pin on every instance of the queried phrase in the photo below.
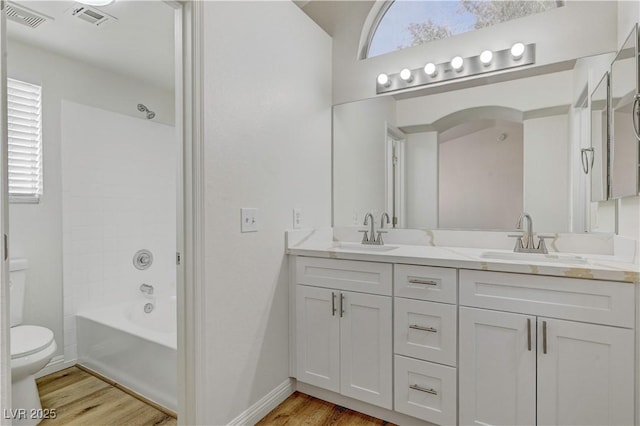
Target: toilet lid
(29, 339)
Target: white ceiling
(139, 44)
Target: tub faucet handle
(147, 289)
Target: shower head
(143, 108)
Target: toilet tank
(17, 284)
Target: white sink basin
(363, 247)
(536, 257)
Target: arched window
(407, 23)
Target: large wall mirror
(473, 158)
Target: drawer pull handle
(425, 390)
(544, 337)
(529, 334)
(421, 328)
(419, 281)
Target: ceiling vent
(25, 16)
(91, 15)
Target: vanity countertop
(574, 265)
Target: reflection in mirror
(476, 157)
(624, 86)
(600, 140)
(473, 158)
(480, 174)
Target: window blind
(24, 103)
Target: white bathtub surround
(597, 256)
(140, 364)
(119, 196)
(132, 347)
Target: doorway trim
(191, 288)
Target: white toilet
(32, 347)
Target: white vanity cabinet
(425, 342)
(446, 346)
(545, 360)
(344, 337)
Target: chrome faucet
(369, 238)
(147, 289)
(529, 235)
(528, 246)
(384, 216)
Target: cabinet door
(366, 348)
(586, 375)
(497, 368)
(318, 337)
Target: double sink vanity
(454, 327)
(446, 318)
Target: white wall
(119, 196)
(628, 15)
(267, 111)
(547, 177)
(359, 152)
(421, 158)
(36, 229)
(583, 27)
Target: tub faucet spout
(147, 289)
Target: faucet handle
(519, 242)
(379, 240)
(365, 237)
(542, 247)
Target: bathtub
(133, 348)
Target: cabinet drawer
(425, 390)
(349, 275)
(425, 283)
(600, 302)
(425, 330)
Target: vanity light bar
(474, 65)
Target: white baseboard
(56, 364)
(266, 404)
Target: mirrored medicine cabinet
(625, 120)
(595, 161)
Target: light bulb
(486, 57)
(456, 63)
(430, 69)
(383, 79)
(517, 50)
(405, 74)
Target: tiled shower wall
(119, 196)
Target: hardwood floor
(80, 398)
(301, 409)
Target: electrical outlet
(248, 220)
(297, 218)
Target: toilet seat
(29, 339)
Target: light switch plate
(248, 219)
(297, 218)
